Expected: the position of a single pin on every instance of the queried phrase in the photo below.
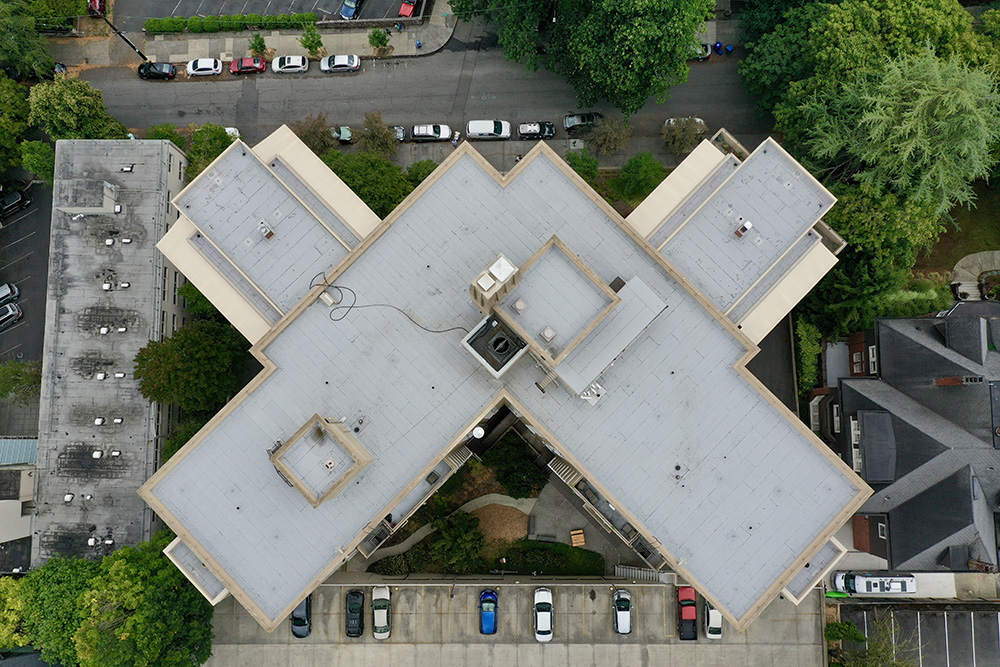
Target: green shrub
(841, 630)
(196, 24)
(584, 164)
(458, 542)
(253, 21)
(233, 23)
(641, 174)
(419, 556)
(213, 24)
(550, 558)
(269, 22)
(257, 44)
(418, 171)
(285, 21)
(302, 20)
(392, 566)
(514, 462)
(807, 339)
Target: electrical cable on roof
(354, 301)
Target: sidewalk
(111, 51)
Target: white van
(488, 129)
(8, 293)
(875, 585)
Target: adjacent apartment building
(109, 293)
(621, 344)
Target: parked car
(488, 129)
(407, 8)
(340, 64)
(349, 9)
(342, 133)
(698, 123)
(621, 607)
(713, 621)
(9, 314)
(575, 123)
(247, 66)
(60, 68)
(96, 8)
(151, 70)
(877, 585)
(234, 132)
(538, 130)
(302, 618)
(204, 67)
(701, 53)
(290, 64)
(488, 605)
(430, 133)
(13, 201)
(355, 616)
(400, 132)
(687, 613)
(381, 612)
(8, 292)
(541, 619)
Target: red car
(687, 613)
(407, 8)
(247, 66)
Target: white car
(713, 621)
(381, 612)
(621, 606)
(488, 129)
(541, 619)
(699, 124)
(340, 64)
(204, 67)
(290, 64)
(430, 133)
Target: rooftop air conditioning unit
(743, 229)
(265, 231)
(330, 464)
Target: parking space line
(947, 656)
(972, 616)
(920, 643)
(9, 350)
(26, 236)
(892, 627)
(17, 260)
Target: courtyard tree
(72, 109)
(458, 543)
(207, 143)
(13, 632)
(13, 122)
(198, 367)
(641, 174)
(51, 608)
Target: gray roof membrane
(803, 581)
(232, 203)
(279, 167)
(318, 460)
(235, 278)
(691, 203)
(774, 275)
(717, 474)
(558, 296)
(195, 568)
(768, 190)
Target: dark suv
(13, 201)
(576, 123)
(302, 618)
(355, 613)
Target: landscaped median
(229, 23)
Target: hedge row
(231, 23)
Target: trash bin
(419, 44)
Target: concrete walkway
(524, 505)
(104, 50)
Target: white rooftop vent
(106, 286)
(124, 285)
(115, 453)
(92, 541)
(104, 331)
(743, 229)
(127, 169)
(109, 541)
(99, 421)
(330, 464)
(77, 216)
(88, 496)
(264, 230)
(126, 241)
(97, 454)
(485, 282)
(109, 242)
(502, 269)
(478, 432)
(118, 209)
(119, 375)
(548, 334)
(68, 498)
(122, 329)
(117, 420)
(101, 376)
(519, 305)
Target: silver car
(340, 64)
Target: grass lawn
(977, 229)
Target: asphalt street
(468, 79)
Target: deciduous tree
(377, 137)
(584, 164)
(13, 121)
(207, 143)
(198, 367)
(419, 170)
(72, 109)
(13, 632)
(24, 48)
(315, 133)
(641, 174)
(39, 157)
(51, 606)
(609, 136)
(380, 184)
(169, 132)
(458, 542)
(311, 40)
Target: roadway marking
(11, 349)
(892, 626)
(920, 642)
(17, 260)
(972, 616)
(947, 656)
(12, 328)
(19, 240)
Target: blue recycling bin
(729, 49)
(419, 44)
(718, 48)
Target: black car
(355, 613)
(151, 70)
(13, 201)
(537, 130)
(302, 618)
(575, 123)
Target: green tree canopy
(197, 304)
(311, 40)
(377, 137)
(420, 170)
(13, 632)
(315, 133)
(72, 109)
(641, 174)
(51, 605)
(623, 51)
(140, 611)
(584, 164)
(13, 122)
(380, 184)
(198, 367)
(207, 143)
(169, 132)
(24, 48)
(458, 542)
(39, 157)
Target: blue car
(488, 612)
(348, 9)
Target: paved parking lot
(24, 261)
(938, 636)
(438, 625)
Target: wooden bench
(576, 536)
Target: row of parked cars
(281, 64)
(542, 614)
(10, 312)
(573, 124)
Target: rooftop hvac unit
(743, 229)
(101, 376)
(126, 240)
(109, 242)
(330, 464)
(264, 230)
(119, 375)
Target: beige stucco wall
(13, 526)
(782, 298)
(678, 184)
